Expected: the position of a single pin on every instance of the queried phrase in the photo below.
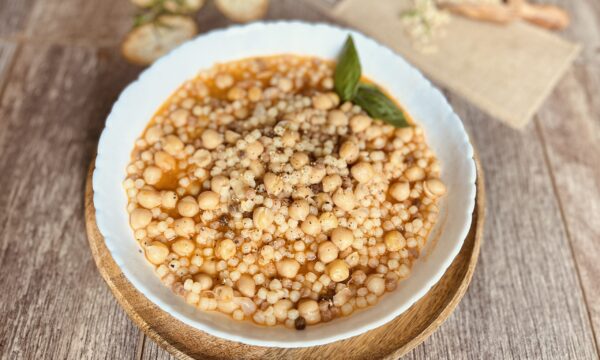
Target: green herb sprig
(369, 97)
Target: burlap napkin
(507, 71)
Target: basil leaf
(347, 71)
(378, 105)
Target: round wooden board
(390, 341)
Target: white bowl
(139, 101)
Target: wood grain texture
(572, 138)
(524, 301)
(570, 127)
(13, 16)
(7, 54)
(83, 22)
(53, 303)
(386, 342)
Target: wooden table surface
(535, 293)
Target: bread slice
(184, 6)
(148, 42)
(243, 10)
(174, 6)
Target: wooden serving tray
(389, 341)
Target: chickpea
(255, 94)
(338, 270)
(236, 93)
(289, 138)
(246, 285)
(288, 268)
(376, 284)
(223, 81)
(202, 158)
(394, 241)
(414, 173)
(267, 253)
(153, 134)
(309, 310)
(328, 221)
(405, 134)
(254, 150)
(400, 190)
(299, 210)
(218, 183)
(140, 218)
(168, 199)
(262, 217)
(349, 151)
(434, 188)
(208, 200)
(331, 182)
(184, 226)
(209, 267)
(188, 207)
(225, 249)
(327, 252)
(172, 144)
(285, 84)
(311, 225)
(280, 309)
(302, 192)
(179, 117)
(165, 161)
(360, 123)
(257, 168)
(183, 247)
(152, 175)
(298, 160)
(157, 252)
(223, 292)
(211, 139)
(317, 173)
(231, 136)
(322, 199)
(362, 172)
(322, 102)
(342, 238)
(206, 282)
(344, 199)
(273, 184)
(149, 198)
(335, 99)
(337, 118)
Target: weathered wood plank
(585, 26)
(80, 21)
(7, 54)
(13, 16)
(524, 300)
(53, 302)
(570, 124)
(570, 127)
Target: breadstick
(486, 12)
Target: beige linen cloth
(507, 71)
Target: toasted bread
(148, 42)
(243, 10)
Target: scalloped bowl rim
(444, 132)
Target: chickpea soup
(254, 191)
